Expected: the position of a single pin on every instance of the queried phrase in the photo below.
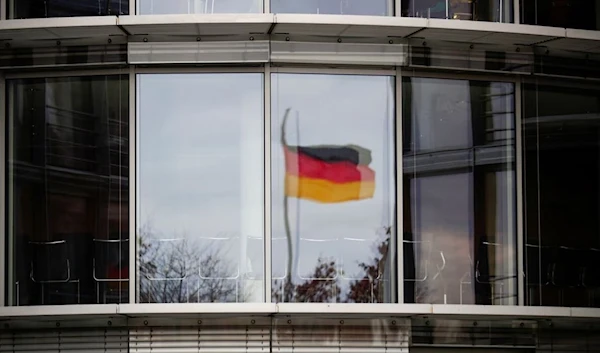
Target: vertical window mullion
(399, 190)
(520, 209)
(3, 283)
(133, 205)
(267, 236)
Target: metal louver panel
(341, 336)
(206, 338)
(339, 53)
(198, 52)
(68, 340)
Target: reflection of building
(147, 206)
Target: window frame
(267, 306)
(6, 253)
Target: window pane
(336, 7)
(333, 188)
(67, 8)
(164, 7)
(459, 185)
(200, 213)
(68, 185)
(581, 14)
(561, 146)
(480, 10)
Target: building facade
(300, 176)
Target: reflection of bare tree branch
(321, 288)
(369, 289)
(170, 272)
(323, 285)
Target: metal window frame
(3, 9)
(332, 71)
(399, 224)
(133, 260)
(6, 290)
(393, 73)
(267, 225)
(399, 307)
(3, 249)
(491, 77)
(519, 197)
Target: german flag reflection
(329, 173)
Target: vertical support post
(267, 183)
(395, 8)
(133, 186)
(3, 11)
(133, 7)
(516, 11)
(3, 212)
(520, 209)
(398, 231)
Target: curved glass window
(580, 14)
(66, 8)
(68, 190)
(561, 154)
(471, 10)
(200, 188)
(333, 189)
(459, 192)
(164, 7)
(335, 7)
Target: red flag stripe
(301, 165)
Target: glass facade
(68, 190)
(332, 189)
(200, 188)
(323, 168)
(66, 8)
(580, 14)
(459, 192)
(471, 10)
(336, 7)
(165, 7)
(561, 140)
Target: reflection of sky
(333, 109)
(201, 159)
(163, 7)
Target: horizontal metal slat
(109, 340)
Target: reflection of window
(67, 8)
(335, 7)
(581, 14)
(200, 188)
(158, 7)
(561, 144)
(472, 10)
(68, 187)
(332, 188)
(459, 192)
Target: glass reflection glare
(459, 184)
(200, 188)
(334, 7)
(333, 201)
(165, 7)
